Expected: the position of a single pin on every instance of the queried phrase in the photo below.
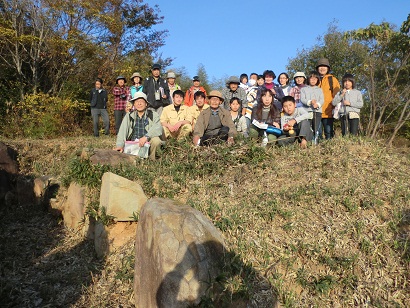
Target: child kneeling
(294, 123)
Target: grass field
(326, 226)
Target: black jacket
(94, 96)
(150, 86)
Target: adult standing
(156, 89)
(330, 87)
(189, 95)
(98, 104)
(300, 82)
(268, 77)
(136, 79)
(172, 85)
(232, 89)
(121, 96)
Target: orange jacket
(328, 94)
(189, 95)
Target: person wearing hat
(330, 87)
(174, 118)
(121, 96)
(98, 104)
(351, 101)
(300, 82)
(233, 90)
(142, 124)
(172, 85)
(136, 80)
(156, 89)
(214, 125)
(189, 94)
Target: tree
(387, 68)
(49, 43)
(378, 56)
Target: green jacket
(153, 126)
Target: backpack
(330, 79)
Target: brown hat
(136, 74)
(215, 93)
(323, 62)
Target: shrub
(43, 116)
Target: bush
(43, 116)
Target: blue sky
(234, 37)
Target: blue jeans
(95, 114)
(327, 124)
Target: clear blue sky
(233, 37)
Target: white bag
(133, 148)
(336, 111)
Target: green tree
(386, 73)
(379, 58)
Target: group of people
(156, 109)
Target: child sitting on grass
(237, 117)
(294, 123)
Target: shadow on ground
(39, 265)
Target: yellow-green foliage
(43, 116)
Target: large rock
(107, 157)
(74, 207)
(121, 197)
(8, 169)
(179, 254)
(8, 159)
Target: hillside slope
(326, 226)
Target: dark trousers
(316, 126)
(327, 124)
(302, 130)
(95, 114)
(118, 115)
(352, 125)
(222, 136)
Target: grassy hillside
(326, 226)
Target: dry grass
(328, 226)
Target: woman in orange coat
(330, 87)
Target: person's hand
(275, 124)
(119, 149)
(195, 140)
(291, 122)
(314, 103)
(142, 141)
(177, 126)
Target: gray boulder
(179, 254)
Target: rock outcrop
(121, 197)
(179, 253)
